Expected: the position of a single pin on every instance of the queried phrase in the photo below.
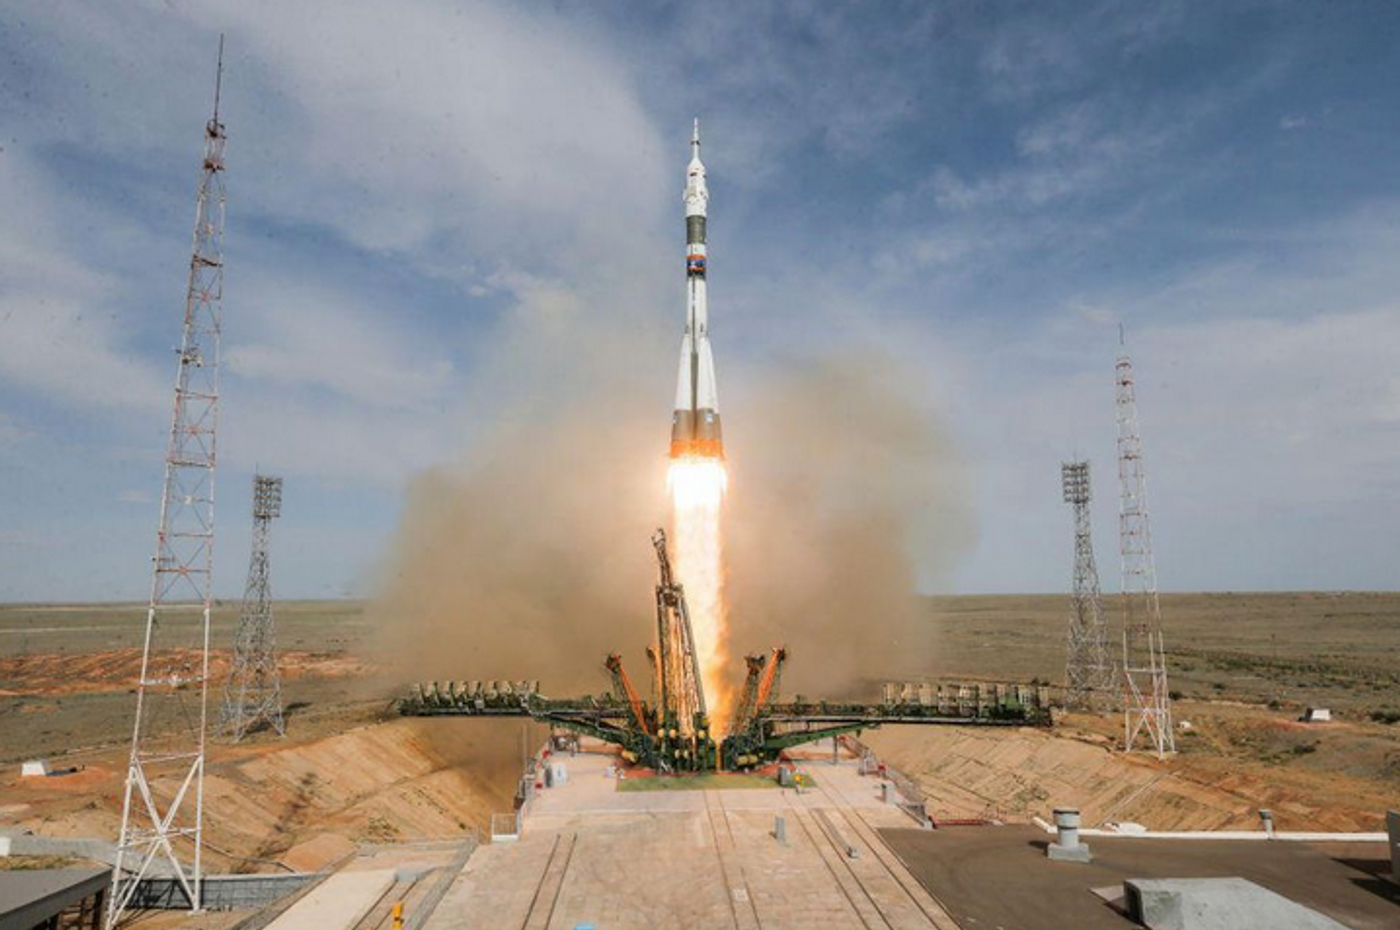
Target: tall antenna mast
(218, 78)
(253, 693)
(1088, 669)
(1146, 700)
(163, 807)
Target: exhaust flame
(697, 486)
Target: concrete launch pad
(1001, 877)
(590, 855)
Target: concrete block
(1216, 904)
(1077, 853)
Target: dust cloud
(841, 477)
(528, 558)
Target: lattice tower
(1089, 674)
(1146, 700)
(163, 805)
(253, 692)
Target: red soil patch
(57, 673)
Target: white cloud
(307, 334)
(59, 333)
(409, 121)
(482, 143)
(1085, 148)
(1027, 56)
(330, 442)
(1270, 404)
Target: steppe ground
(1244, 666)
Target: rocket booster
(695, 431)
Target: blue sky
(984, 191)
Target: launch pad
(673, 732)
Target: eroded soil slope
(1232, 762)
(304, 804)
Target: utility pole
(163, 805)
(253, 693)
(1088, 670)
(1146, 701)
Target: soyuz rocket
(695, 429)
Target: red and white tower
(1147, 708)
(163, 810)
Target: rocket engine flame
(697, 486)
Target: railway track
(745, 917)
(551, 883)
(889, 863)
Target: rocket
(695, 431)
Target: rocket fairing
(695, 430)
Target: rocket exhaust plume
(697, 478)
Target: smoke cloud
(843, 486)
(529, 557)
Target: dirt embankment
(1232, 763)
(305, 804)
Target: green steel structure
(674, 735)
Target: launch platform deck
(590, 855)
(1000, 877)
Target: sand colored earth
(1246, 664)
(303, 805)
(1017, 774)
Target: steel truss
(163, 803)
(1089, 672)
(1147, 708)
(253, 692)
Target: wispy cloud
(305, 334)
(61, 333)
(430, 203)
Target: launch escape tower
(1088, 669)
(163, 806)
(1146, 700)
(253, 692)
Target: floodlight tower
(1088, 669)
(1146, 700)
(163, 807)
(253, 693)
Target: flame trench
(697, 486)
